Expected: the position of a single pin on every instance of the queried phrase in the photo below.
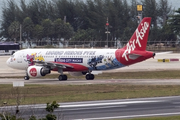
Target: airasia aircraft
(40, 62)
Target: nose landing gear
(26, 77)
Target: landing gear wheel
(89, 77)
(62, 77)
(92, 76)
(26, 77)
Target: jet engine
(37, 71)
(77, 73)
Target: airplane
(40, 62)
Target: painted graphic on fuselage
(102, 63)
(32, 57)
(99, 62)
(92, 62)
(109, 61)
(69, 60)
(39, 58)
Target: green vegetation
(49, 108)
(34, 94)
(82, 22)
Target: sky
(175, 4)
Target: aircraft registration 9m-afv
(40, 62)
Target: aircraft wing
(53, 64)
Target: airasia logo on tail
(132, 44)
(33, 72)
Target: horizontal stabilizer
(134, 56)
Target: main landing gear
(90, 77)
(62, 77)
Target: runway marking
(102, 104)
(131, 116)
(87, 108)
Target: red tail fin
(139, 39)
(135, 50)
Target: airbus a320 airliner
(40, 62)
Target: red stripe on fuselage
(76, 67)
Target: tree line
(78, 20)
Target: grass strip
(35, 94)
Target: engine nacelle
(77, 73)
(37, 71)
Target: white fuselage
(93, 59)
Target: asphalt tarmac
(96, 81)
(105, 109)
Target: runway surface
(106, 109)
(96, 81)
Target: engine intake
(37, 71)
(44, 71)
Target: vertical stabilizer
(139, 39)
(135, 50)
